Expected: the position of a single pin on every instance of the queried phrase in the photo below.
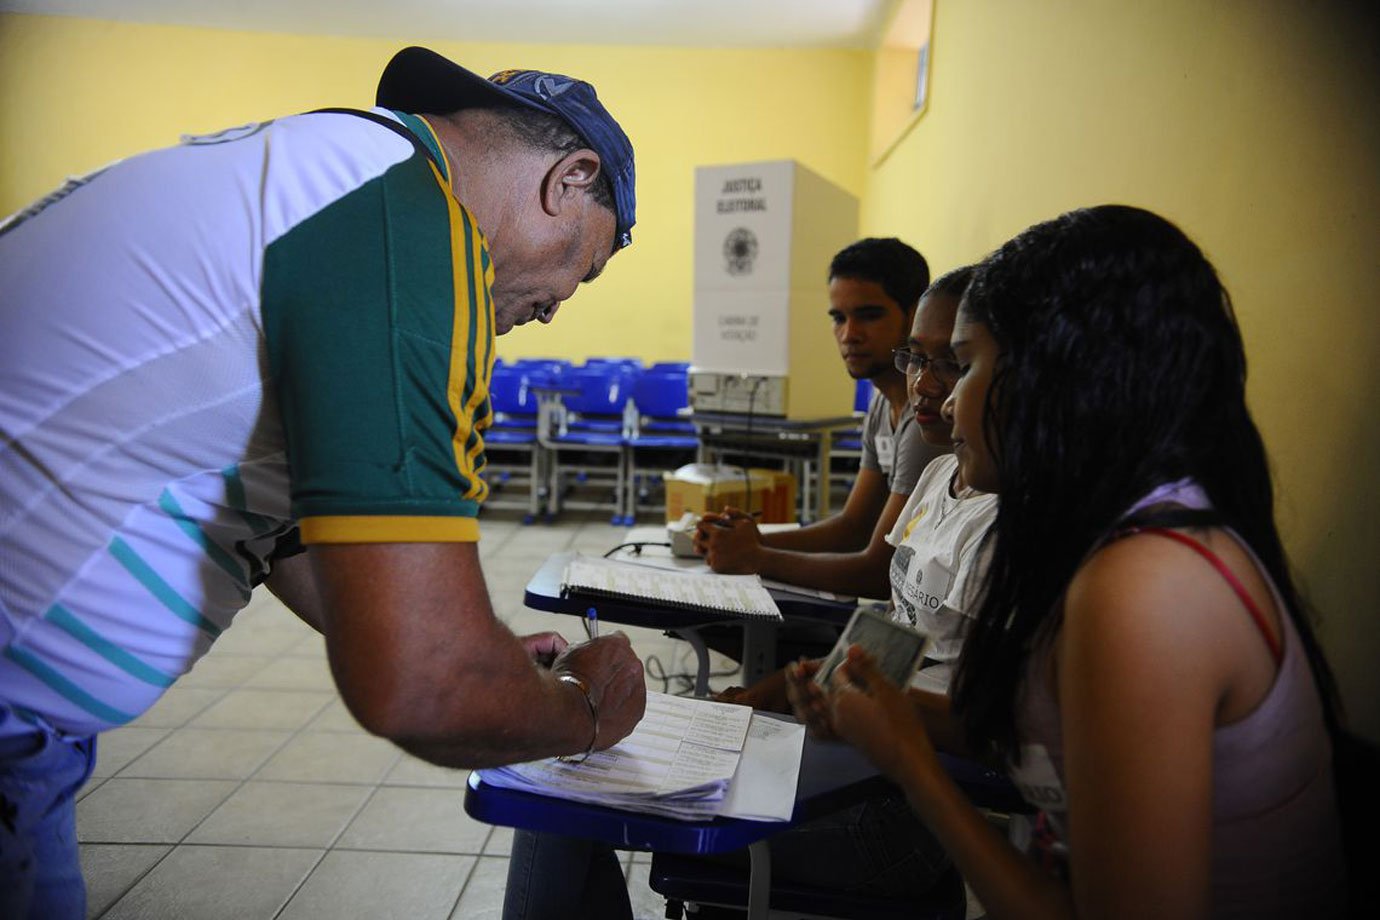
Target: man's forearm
(457, 712)
(420, 659)
(559, 724)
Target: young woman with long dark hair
(1141, 658)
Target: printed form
(679, 761)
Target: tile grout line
(469, 876)
(182, 841)
(508, 538)
(173, 847)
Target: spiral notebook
(738, 595)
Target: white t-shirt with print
(937, 537)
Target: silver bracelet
(568, 678)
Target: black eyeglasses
(912, 363)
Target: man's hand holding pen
(616, 685)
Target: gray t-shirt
(899, 454)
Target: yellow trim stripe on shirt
(389, 529)
(472, 308)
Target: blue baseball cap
(418, 80)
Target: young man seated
(874, 289)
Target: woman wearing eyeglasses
(934, 543)
(878, 845)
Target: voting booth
(764, 236)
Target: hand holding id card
(897, 649)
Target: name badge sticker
(886, 451)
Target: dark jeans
(568, 877)
(40, 873)
(878, 846)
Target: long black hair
(1121, 368)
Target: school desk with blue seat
(832, 776)
(514, 455)
(544, 592)
(584, 417)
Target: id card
(897, 649)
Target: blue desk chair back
(598, 395)
(659, 396)
(680, 367)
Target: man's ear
(568, 178)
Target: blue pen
(592, 623)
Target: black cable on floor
(637, 547)
(687, 678)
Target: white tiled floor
(249, 792)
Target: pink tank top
(1276, 848)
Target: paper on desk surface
(691, 759)
(658, 557)
(678, 762)
(764, 787)
(738, 595)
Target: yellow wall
(1254, 126)
(75, 94)
(1250, 122)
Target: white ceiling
(686, 23)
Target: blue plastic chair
(587, 415)
(680, 367)
(633, 365)
(512, 450)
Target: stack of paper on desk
(681, 762)
(659, 557)
(738, 595)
